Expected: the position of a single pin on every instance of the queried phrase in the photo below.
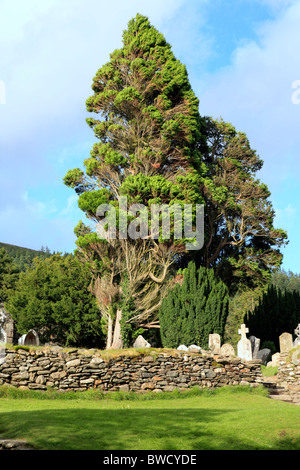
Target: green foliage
(241, 243)
(286, 280)
(194, 309)
(52, 297)
(23, 257)
(149, 149)
(277, 312)
(9, 274)
(240, 303)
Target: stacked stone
(158, 371)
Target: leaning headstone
(285, 342)
(214, 343)
(227, 350)
(255, 343)
(140, 342)
(244, 345)
(264, 354)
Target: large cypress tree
(194, 308)
(147, 121)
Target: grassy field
(236, 418)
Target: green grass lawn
(226, 419)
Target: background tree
(193, 309)
(9, 274)
(241, 243)
(53, 298)
(23, 257)
(277, 312)
(286, 280)
(149, 150)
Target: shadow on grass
(127, 429)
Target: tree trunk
(109, 333)
(117, 338)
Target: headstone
(285, 342)
(140, 342)
(7, 325)
(296, 342)
(295, 357)
(29, 339)
(275, 360)
(182, 347)
(3, 336)
(255, 343)
(244, 345)
(264, 354)
(214, 343)
(227, 350)
(194, 348)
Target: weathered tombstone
(3, 335)
(244, 345)
(295, 357)
(182, 347)
(275, 360)
(194, 348)
(140, 342)
(7, 326)
(255, 343)
(214, 343)
(264, 354)
(227, 350)
(296, 342)
(285, 342)
(29, 339)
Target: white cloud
(255, 93)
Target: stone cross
(244, 345)
(243, 331)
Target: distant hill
(23, 257)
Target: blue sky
(242, 57)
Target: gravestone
(7, 327)
(214, 343)
(244, 345)
(255, 343)
(29, 339)
(285, 342)
(296, 342)
(140, 342)
(227, 350)
(194, 348)
(182, 347)
(264, 355)
(275, 360)
(3, 335)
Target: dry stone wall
(288, 375)
(158, 371)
